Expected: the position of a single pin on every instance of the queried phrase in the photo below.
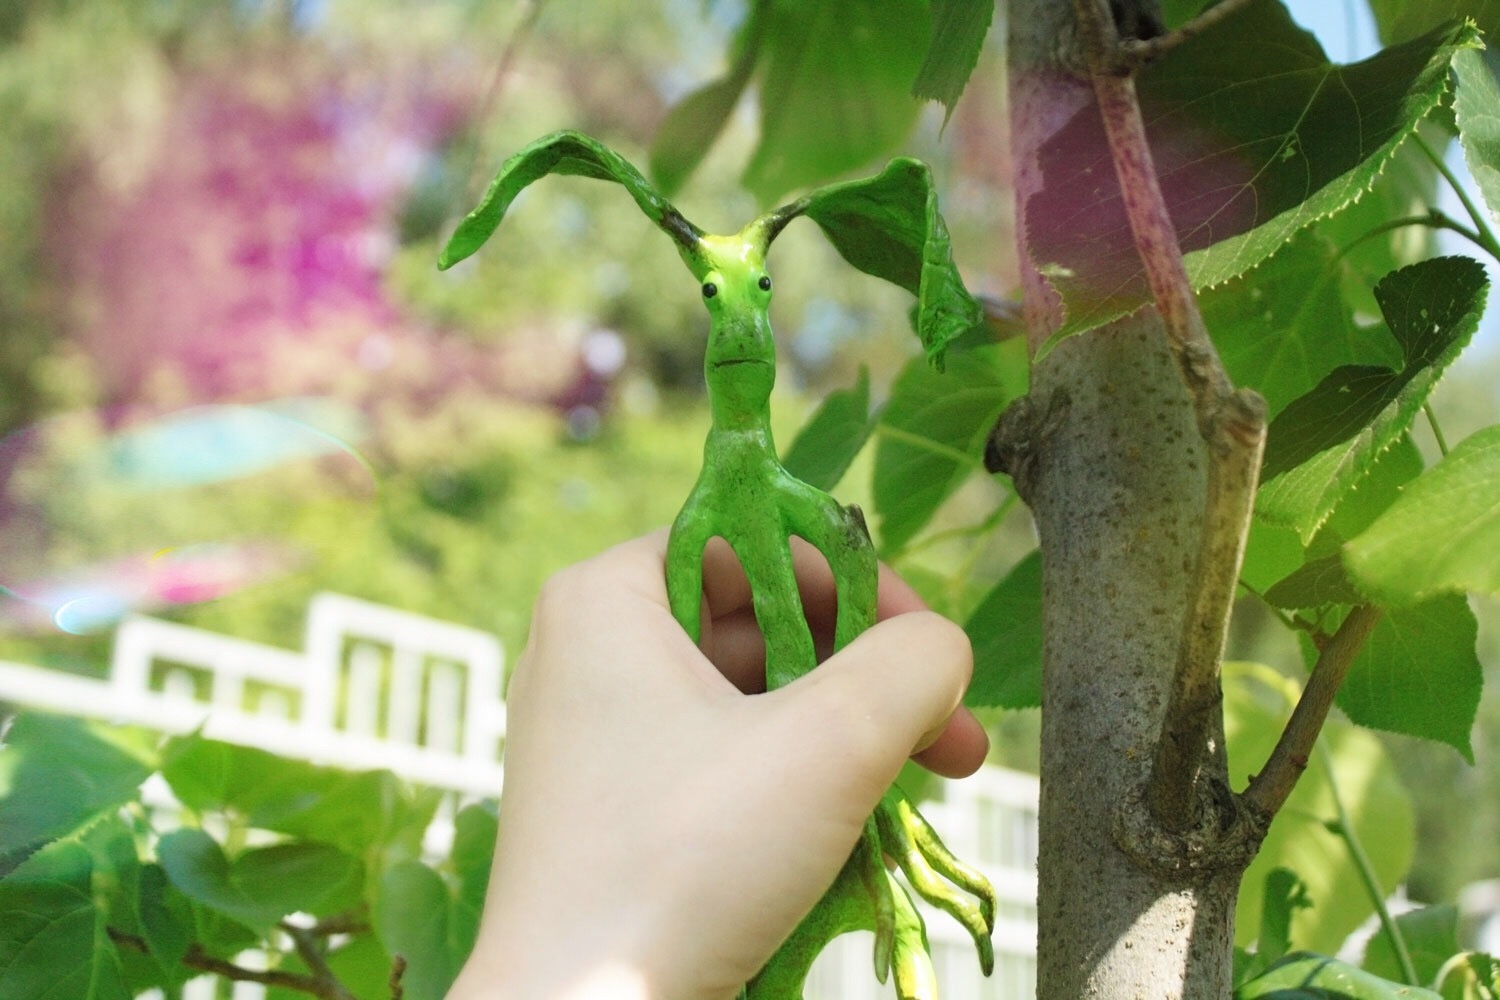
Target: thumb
(886, 694)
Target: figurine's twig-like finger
(869, 856)
(937, 854)
(931, 887)
(915, 979)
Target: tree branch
(1269, 789)
(398, 973)
(1232, 423)
(1134, 53)
(321, 983)
(306, 941)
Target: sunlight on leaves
(1476, 105)
(1323, 443)
(958, 31)
(835, 90)
(1443, 532)
(1419, 674)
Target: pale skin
(661, 834)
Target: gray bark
(1106, 452)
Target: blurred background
(231, 375)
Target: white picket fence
(374, 686)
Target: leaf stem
(1433, 219)
(1437, 430)
(928, 444)
(984, 527)
(1343, 828)
(1278, 613)
(1269, 789)
(1136, 52)
(1484, 236)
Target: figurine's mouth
(739, 361)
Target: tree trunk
(1106, 452)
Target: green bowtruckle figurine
(888, 226)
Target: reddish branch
(1232, 423)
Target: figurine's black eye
(765, 283)
(710, 290)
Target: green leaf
(166, 921)
(1399, 20)
(932, 434)
(1006, 633)
(1418, 674)
(1282, 327)
(1255, 135)
(1476, 106)
(475, 829)
(1285, 894)
(832, 436)
(54, 943)
(692, 125)
(68, 773)
(1315, 584)
(559, 153)
(414, 916)
(1443, 532)
(1371, 497)
(835, 91)
(1323, 443)
(354, 811)
(1431, 936)
(889, 226)
(1305, 975)
(1377, 802)
(958, 31)
(263, 885)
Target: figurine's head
(739, 363)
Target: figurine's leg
(841, 535)
(685, 544)
(766, 555)
(844, 907)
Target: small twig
(355, 921)
(1486, 236)
(308, 949)
(1268, 790)
(491, 98)
(398, 972)
(201, 961)
(1437, 430)
(1134, 53)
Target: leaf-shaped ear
(565, 153)
(889, 226)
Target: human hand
(660, 834)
